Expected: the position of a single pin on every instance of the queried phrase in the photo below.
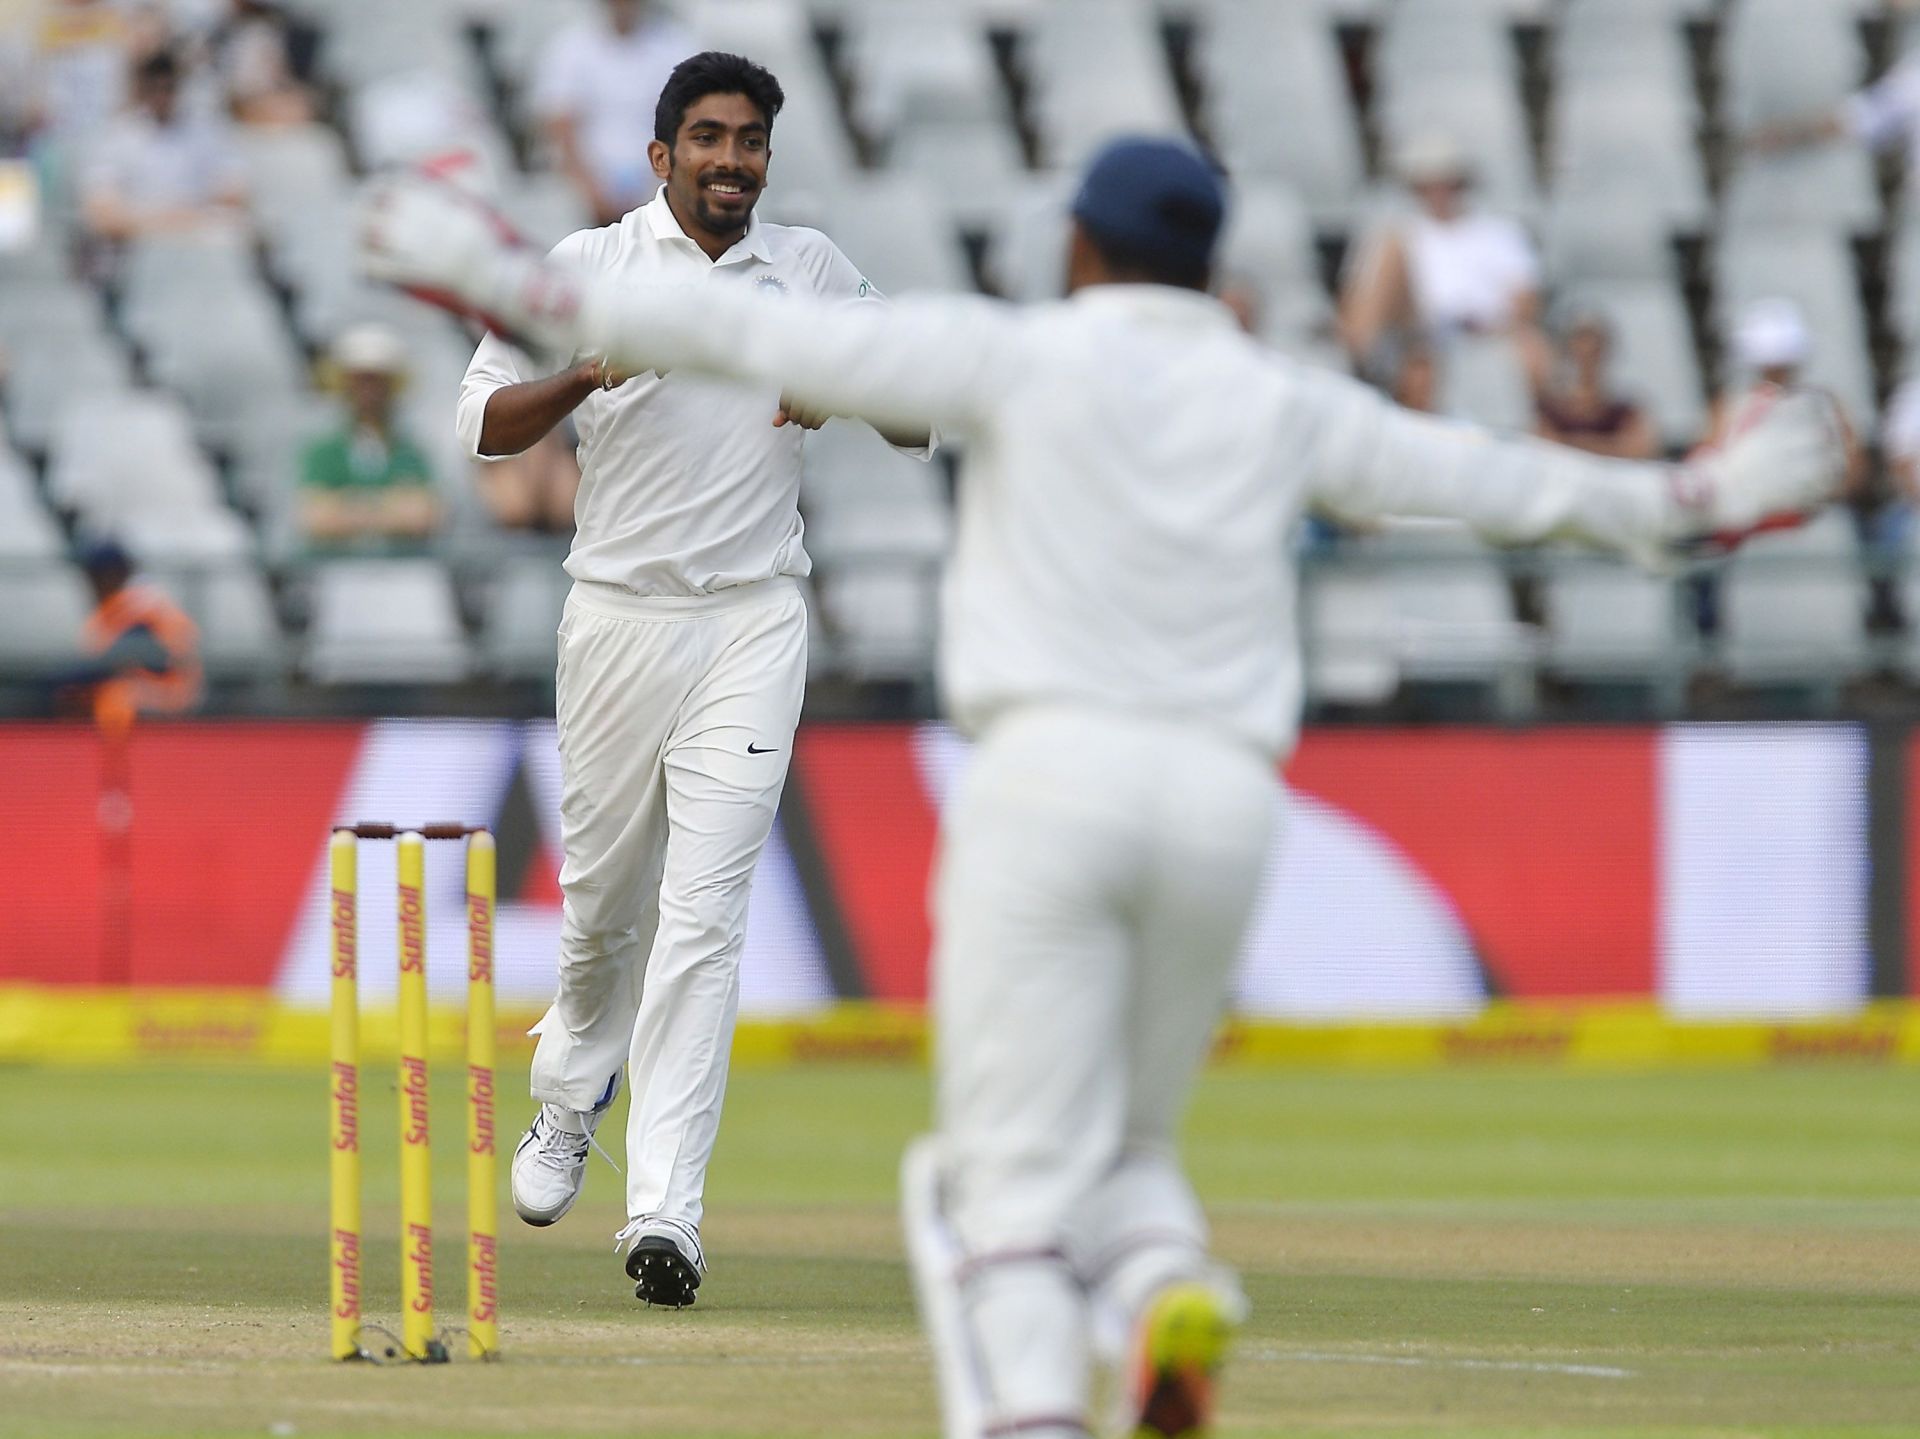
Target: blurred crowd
(1390, 230)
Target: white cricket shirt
(1135, 468)
(686, 487)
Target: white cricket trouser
(676, 720)
(1096, 876)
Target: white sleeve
(1374, 459)
(941, 362)
(494, 366)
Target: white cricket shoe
(550, 1162)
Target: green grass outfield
(1486, 1252)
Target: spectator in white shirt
(594, 96)
(1447, 269)
(159, 170)
(1883, 116)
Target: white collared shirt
(686, 487)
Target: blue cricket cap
(104, 554)
(1154, 200)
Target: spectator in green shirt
(366, 488)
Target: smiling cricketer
(682, 661)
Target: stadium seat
(381, 41)
(1027, 246)
(117, 453)
(1269, 245)
(1482, 379)
(416, 115)
(979, 164)
(43, 605)
(544, 207)
(1277, 104)
(1786, 59)
(27, 531)
(293, 171)
(185, 535)
(41, 378)
(1831, 187)
(521, 34)
(1606, 235)
(862, 499)
(1628, 45)
(1455, 38)
(1792, 606)
(523, 606)
(914, 57)
(1452, 609)
(1097, 69)
(385, 622)
(1903, 300)
(1347, 635)
(229, 601)
(48, 312)
(1610, 621)
(878, 614)
(1614, 140)
(898, 234)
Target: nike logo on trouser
(751, 749)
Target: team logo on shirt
(771, 284)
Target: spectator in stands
(1578, 404)
(1447, 269)
(594, 95)
(1883, 116)
(81, 50)
(142, 652)
(265, 58)
(534, 491)
(159, 169)
(1770, 347)
(367, 488)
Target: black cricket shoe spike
(661, 1273)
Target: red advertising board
(1423, 872)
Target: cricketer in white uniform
(682, 661)
(1119, 638)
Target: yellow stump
(483, 1216)
(416, 1149)
(344, 1100)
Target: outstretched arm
(1374, 459)
(934, 362)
